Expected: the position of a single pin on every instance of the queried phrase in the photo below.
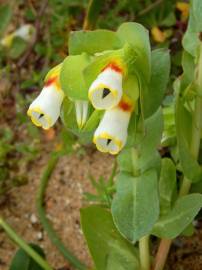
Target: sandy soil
(64, 199)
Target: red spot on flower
(50, 81)
(125, 106)
(114, 67)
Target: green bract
(72, 77)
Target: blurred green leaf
(18, 47)
(93, 10)
(181, 215)
(107, 247)
(22, 261)
(190, 167)
(191, 38)
(5, 15)
(137, 201)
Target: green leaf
(146, 142)
(19, 45)
(182, 214)
(71, 77)
(92, 42)
(5, 15)
(107, 247)
(189, 230)
(23, 261)
(131, 87)
(153, 95)
(167, 185)
(188, 70)
(137, 36)
(135, 207)
(190, 167)
(191, 39)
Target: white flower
(111, 134)
(81, 108)
(106, 91)
(25, 32)
(45, 109)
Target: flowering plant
(109, 90)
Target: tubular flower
(111, 134)
(106, 91)
(45, 109)
(81, 108)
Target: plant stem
(162, 254)
(165, 244)
(93, 10)
(21, 243)
(44, 220)
(144, 253)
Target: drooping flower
(111, 134)
(81, 107)
(106, 91)
(45, 109)
(25, 32)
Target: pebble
(39, 235)
(33, 219)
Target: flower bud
(25, 32)
(81, 108)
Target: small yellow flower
(184, 9)
(158, 35)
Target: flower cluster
(96, 77)
(105, 93)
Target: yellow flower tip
(7, 41)
(183, 8)
(39, 118)
(58, 147)
(158, 35)
(106, 143)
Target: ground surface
(64, 199)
